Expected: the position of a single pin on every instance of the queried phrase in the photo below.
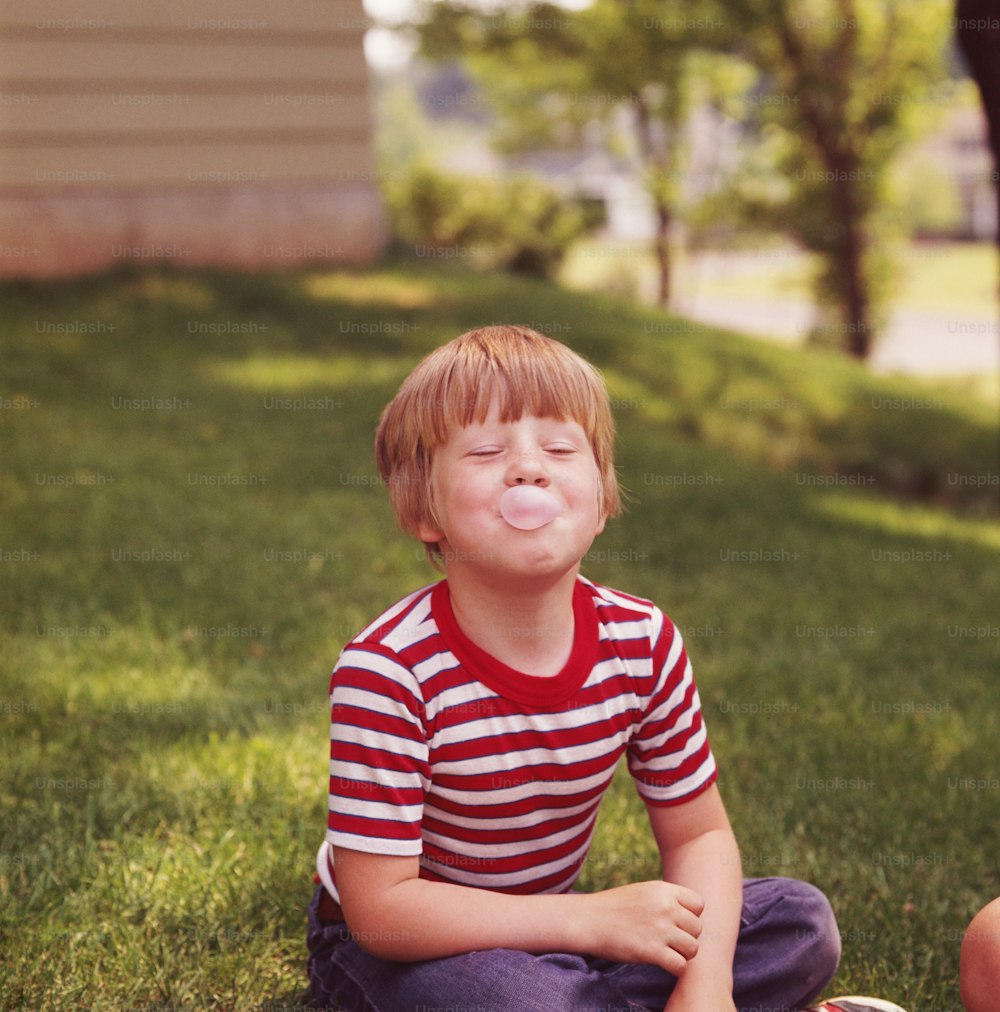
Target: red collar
(519, 686)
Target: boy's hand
(647, 922)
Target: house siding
(224, 133)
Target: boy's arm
(698, 850)
(394, 914)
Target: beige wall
(230, 131)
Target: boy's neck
(528, 628)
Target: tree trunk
(850, 252)
(978, 30)
(662, 249)
(655, 166)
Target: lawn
(193, 527)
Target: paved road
(920, 343)
(924, 343)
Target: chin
(550, 565)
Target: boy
(478, 721)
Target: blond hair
(524, 372)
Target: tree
(842, 85)
(553, 73)
(848, 82)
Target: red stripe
(523, 806)
(386, 759)
(384, 829)
(356, 723)
(514, 834)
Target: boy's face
(480, 462)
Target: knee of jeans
(817, 930)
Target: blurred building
(961, 150)
(220, 132)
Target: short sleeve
(379, 768)
(669, 756)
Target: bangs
(523, 372)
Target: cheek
(461, 500)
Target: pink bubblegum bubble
(528, 507)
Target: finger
(689, 899)
(688, 922)
(683, 944)
(671, 961)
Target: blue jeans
(787, 952)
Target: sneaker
(853, 1003)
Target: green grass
(178, 577)
(942, 277)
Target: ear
(428, 533)
(602, 519)
(427, 528)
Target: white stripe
(619, 600)
(676, 646)
(506, 879)
(679, 789)
(343, 770)
(673, 760)
(365, 699)
(672, 702)
(376, 809)
(667, 763)
(323, 869)
(544, 723)
(467, 696)
(408, 634)
(400, 606)
(366, 737)
(443, 660)
(374, 845)
(369, 660)
(627, 630)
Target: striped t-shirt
(494, 776)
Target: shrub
(518, 224)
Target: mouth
(528, 507)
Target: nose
(527, 468)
